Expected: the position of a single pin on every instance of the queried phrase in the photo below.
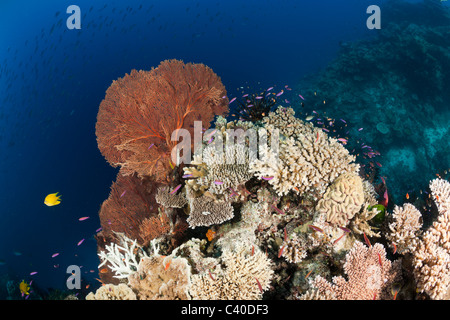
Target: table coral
(205, 211)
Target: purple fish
(287, 101)
(33, 273)
(212, 132)
(83, 218)
(249, 106)
(258, 97)
(80, 242)
(99, 229)
(270, 89)
(360, 129)
(232, 100)
(187, 176)
(277, 210)
(176, 189)
(55, 255)
(343, 120)
(301, 97)
(123, 193)
(326, 130)
(280, 93)
(245, 95)
(267, 178)
(218, 182)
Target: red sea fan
(130, 203)
(141, 110)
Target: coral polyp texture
(296, 217)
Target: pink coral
(370, 275)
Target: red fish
(280, 252)
(395, 248)
(379, 260)
(367, 240)
(385, 200)
(259, 285)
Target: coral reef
(308, 160)
(409, 109)
(288, 224)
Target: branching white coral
(124, 259)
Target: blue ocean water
(53, 79)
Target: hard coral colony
(299, 223)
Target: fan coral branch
(141, 110)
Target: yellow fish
(52, 199)
(24, 288)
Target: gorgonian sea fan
(141, 110)
(130, 202)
